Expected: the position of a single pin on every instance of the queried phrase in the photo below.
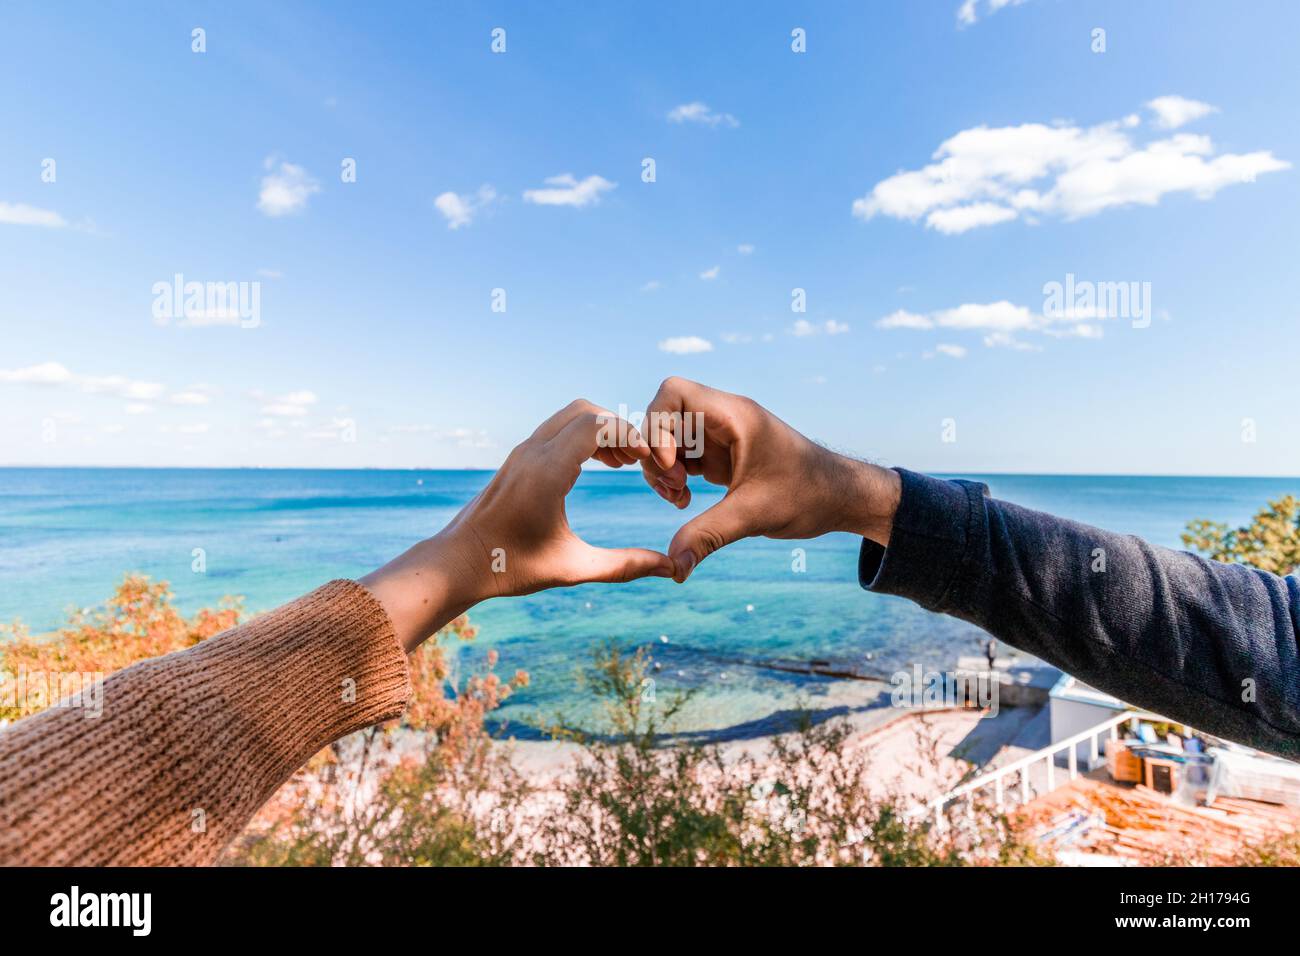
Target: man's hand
(779, 484)
(514, 537)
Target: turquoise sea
(68, 535)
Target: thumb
(619, 565)
(719, 526)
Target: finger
(555, 424)
(663, 419)
(673, 479)
(669, 485)
(681, 498)
(719, 526)
(589, 433)
(625, 456)
(619, 565)
(618, 457)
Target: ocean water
(67, 536)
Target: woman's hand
(514, 537)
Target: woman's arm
(188, 746)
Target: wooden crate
(1162, 776)
(1123, 764)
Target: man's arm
(1195, 640)
(1210, 644)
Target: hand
(514, 537)
(779, 484)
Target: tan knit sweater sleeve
(190, 745)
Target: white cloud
(1001, 322)
(1001, 316)
(745, 249)
(285, 189)
(654, 285)
(686, 345)
(20, 214)
(138, 393)
(944, 348)
(803, 328)
(983, 176)
(47, 373)
(121, 386)
(952, 222)
(1175, 111)
(710, 274)
(457, 210)
(700, 113)
(193, 397)
(270, 273)
(1084, 330)
(566, 190)
(293, 405)
(736, 338)
(460, 210)
(902, 319)
(969, 11)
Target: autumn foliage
(1271, 542)
(138, 622)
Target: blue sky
(857, 171)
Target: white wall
(1070, 717)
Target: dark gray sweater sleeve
(1211, 644)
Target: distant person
(1210, 644)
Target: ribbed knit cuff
(933, 530)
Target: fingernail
(684, 561)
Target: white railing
(997, 778)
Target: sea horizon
(68, 535)
(948, 473)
